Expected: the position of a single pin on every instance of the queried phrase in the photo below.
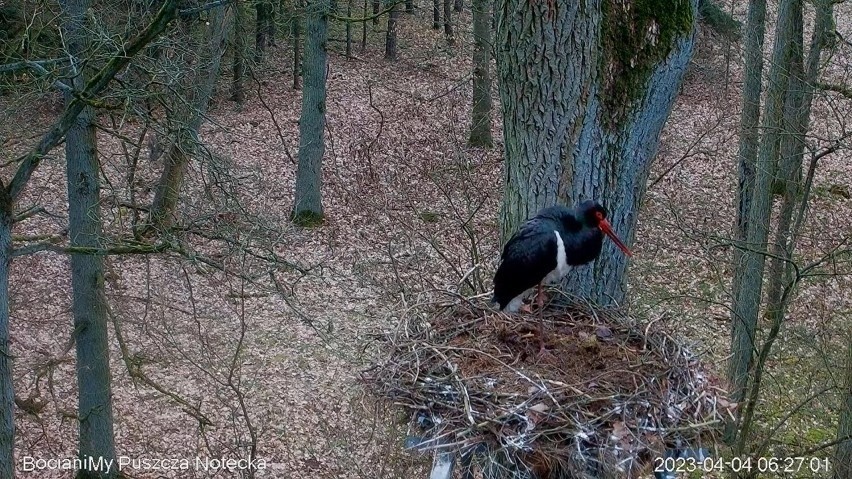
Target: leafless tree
(480, 128)
(98, 436)
(196, 90)
(307, 204)
(771, 153)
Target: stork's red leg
(539, 297)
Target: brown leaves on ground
(400, 187)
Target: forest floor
(279, 368)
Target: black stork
(545, 246)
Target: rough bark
(87, 272)
(377, 6)
(843, 451)
(581, 121)
(539, 104)
(196, 90)
(409, 6)
(307, 205)
(390, 36)
(89, 301)
(7, 392)
(742, 332)
(458, 5)
(448, 21)
(480, 128)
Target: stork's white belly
(552, 277)
(561, 263)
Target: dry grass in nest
(606, 394)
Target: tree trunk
(409, 6)
(480, 128)
(436, 14)
(390, 37)
(797, 112)
(270, 26)
(89, 300)
(458, 5)
(377, 6)
(197, 91)
(749, 136)
(719, 20)
(843, 452)
(297, 40)
(27, 165)
(307, 206)
(237, 88)
(746, 297)
(349, 29)
(7, 391)
(742, 333)
(264, 29)
(582, 121)
(364, 29)
(448, 21)
(87, 271)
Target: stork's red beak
(607, 229)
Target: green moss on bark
(637, 35)
(307, 219)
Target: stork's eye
(599, 215)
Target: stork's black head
(590, 213)
(593, 215)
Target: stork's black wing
(527, 258)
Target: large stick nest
(604, 396)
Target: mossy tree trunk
(307, 205)
(196, 91)
(480, 127)
(585, 95)
(85, 229)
